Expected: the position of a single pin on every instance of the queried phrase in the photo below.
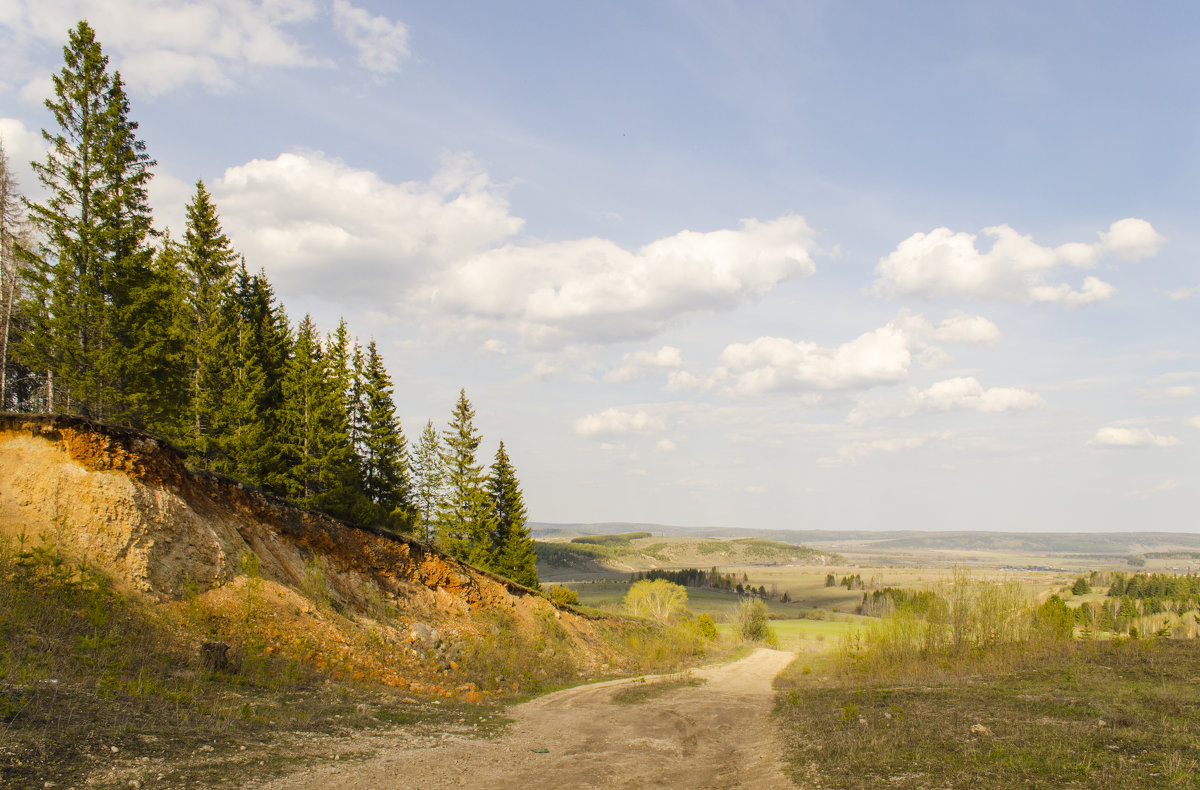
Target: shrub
(706, 627)
(658, 599)
(751, 622)
(563, 595)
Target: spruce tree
(385, 449)
(465, 522)
(248, 437)
(96, 334)
(513, 552)
(428, 476)
(209, 261)
(303, 393)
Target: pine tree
(208, 258)
(513, 552)
(97, 283)
(385, 449)
(428, 474)
(465, 522)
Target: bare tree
(14, 230)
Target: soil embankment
(715, 735)
(359, 603)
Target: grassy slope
(1095, 715)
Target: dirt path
(715, 735)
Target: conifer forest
(111, 318)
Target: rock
(426, 634)
(981, 730)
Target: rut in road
(715, 735)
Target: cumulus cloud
(638, 363)
(593, 290)
(1125, 438)
(380, 42)
(22, 145)
(323, 228)
(329, 230)
(1179, 294)
(1015, 268)
(618, 422)
(881, 356)
(161, 45)
(856, 451)
(1193, 421)
(665, 445)
(957, 394)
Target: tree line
(108, 317)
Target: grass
(1095, 715)
(641, 690)
(94, 683)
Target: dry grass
(1094, 715)
(95, 685)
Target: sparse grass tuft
(641, 690)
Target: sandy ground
(714, 735)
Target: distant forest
(107, 317)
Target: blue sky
(793, 265)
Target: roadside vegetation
(973, 685)
(96, 683)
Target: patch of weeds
(641, 690)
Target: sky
(794, 265)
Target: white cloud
(325, 229)
(1175, 392)
(381, 43)
(493, 346)
(945, 263)
(618, 422)
(636, 364)
(752, 490)
(1179, 294)
(160, 45)
(1121, 438)
(679, 380)
(665, 445)
(1162, 488)
(881, 356)
(854, 452)
(22, 145)
(593, 290)
(957, 394)
(1193, 421)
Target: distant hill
(1089, 544)
(604, 555)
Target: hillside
(356, 602)
(608, 555)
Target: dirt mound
(357, 601)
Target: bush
(751, 622)
(706, 627)
(658, 599)
(563, 595)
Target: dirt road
(715, 735)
